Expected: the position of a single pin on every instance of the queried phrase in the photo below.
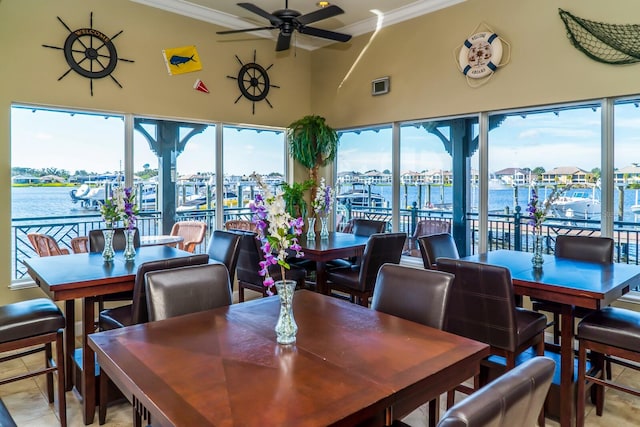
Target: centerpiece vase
(286, 327)
(324, 228)
(537, 259)
(129, 250)
(311, 230)
(107, 251)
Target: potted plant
(313, 144)
(294, 197)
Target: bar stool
(31, 323)
(614, 332)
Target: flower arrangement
(276, 229)
(323, 202)
(129, 208)
(110, 210)
(538, 212)
(120, 206)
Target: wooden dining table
(569, 283)
(86, 276)
(224, 367)
(337, 245)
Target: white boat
(359, 196)
(580, 204)
(92, 197)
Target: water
(38, 202)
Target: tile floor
(27, 402)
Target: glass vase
(286, 327)
(311, 230)
(129, 249)
(537, 259)
(324, 228)
(107, 251)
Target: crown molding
(191, 10)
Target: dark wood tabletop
(570, 283)
(337, 245)
(85, 276)
(223, 367)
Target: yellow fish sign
(182, 60)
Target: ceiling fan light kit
(288, 20)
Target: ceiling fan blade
(284, 40)
(255, 9)
(245, 30)
(320, 14)
(326, 34)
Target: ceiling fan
(287, 20)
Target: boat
(359, 196)
(579, 204)
(91, 196)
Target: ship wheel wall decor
(90, 53)
(253, 82)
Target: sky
(94, 143)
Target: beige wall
(29, 74)
(425, 82)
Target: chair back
(96, 240)
(45, 245)
(249, 258)
(482, 305)
(435, 246)
(139, 312)
(426, 227)
(413, 294)
(224, 247)
(80, 244)
(192, 232)
(241, 224)
(186, 290)
(585, 248)
(381, 248)
(367, 227)
(514, 399)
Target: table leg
(566, 366)
(321, 277)
(88, 361)
(69, 341)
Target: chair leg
(582, 367)
(240, 293)
(48, 358)
(434, 411)
(451, 397)
(62, 399)
(103, 383)
(556, 328)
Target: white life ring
(480, 55)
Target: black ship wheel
(90, 53)
(253, 82)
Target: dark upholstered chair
(136, 312)
(614, 332)
(425, 227)
(435, 246)
(96, 240)
(24, 325)
(45, 245)
(359, 281)
(482, 307)
(580, 248)
(187, 290)
(367, 227)
(514, 399)
(417, 295)
(249, 265)
(224, 247)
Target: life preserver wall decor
(480, 56)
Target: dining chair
(437, 245)
(192, 232)
(514, 399)
(136, 312)
(224, 247)
(359, 281)
(367, 227)
(45, 245)
(185, 290)
(417, 295)
(249, 265)
(614, 332)
(29, 327)
(580, 248)
(425, 227)
(80, 244)
(482, 307)
(96, 240)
